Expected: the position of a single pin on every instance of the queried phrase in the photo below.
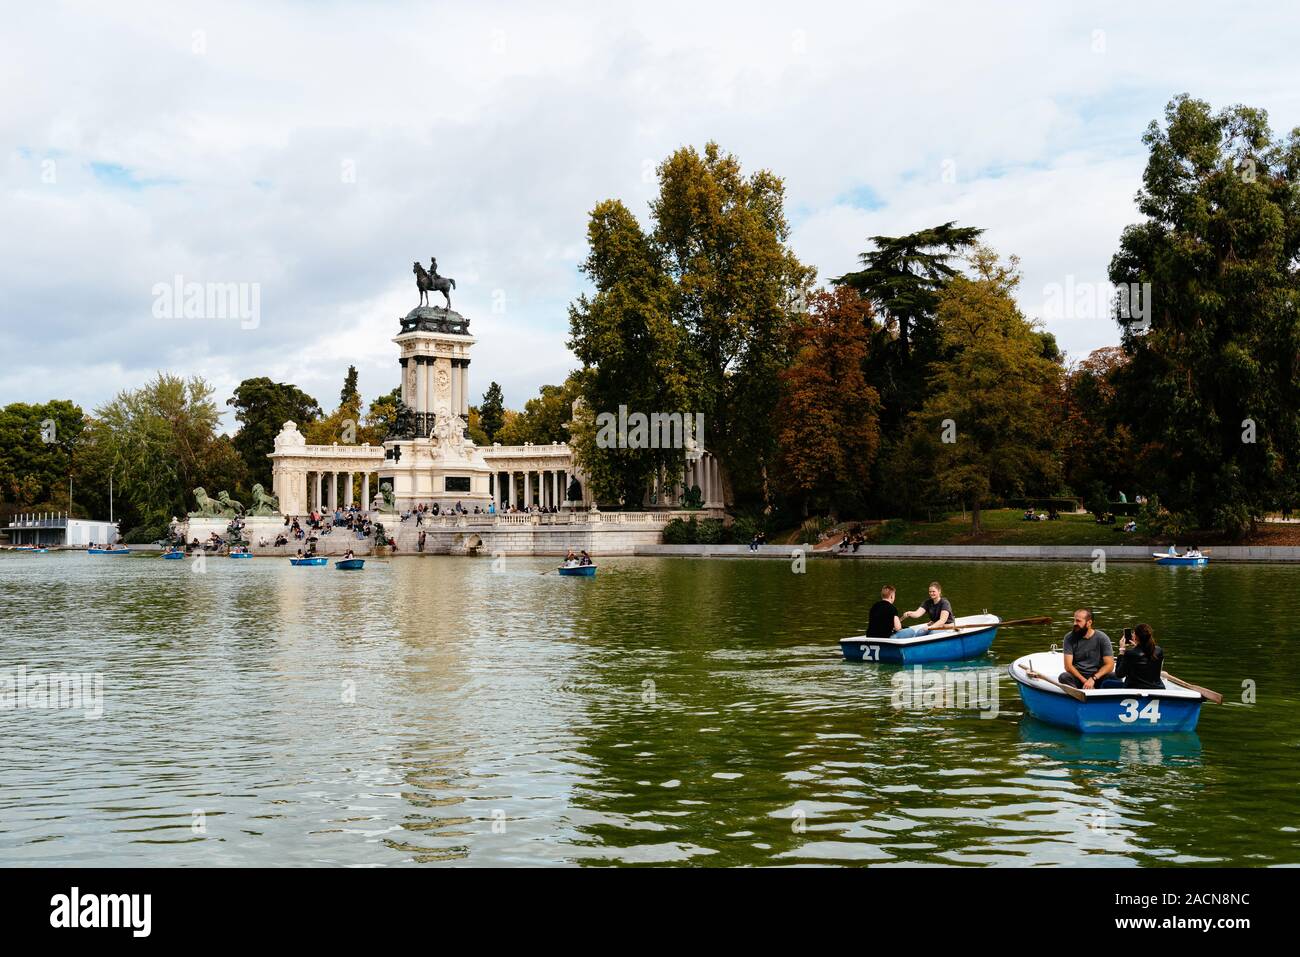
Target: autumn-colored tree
(829, 429)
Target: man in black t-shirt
(882, 620)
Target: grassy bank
(1003, 527)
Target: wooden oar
(1212, 696)
(1040, 620)
(1076, 693)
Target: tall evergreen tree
(1213, 382)
(491, 412)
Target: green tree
(985, 428)
(722, 237)
(491, 412)
(160, 442)
(380, 417)
(1212, 387)
(261, 409)
(350, 395)
(904, 275)
(38, 445)
(545, 419)
(631, 350)
(692, 316)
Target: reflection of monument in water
(429, 458)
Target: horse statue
(430, 281)
(264, 503)
(229, 504)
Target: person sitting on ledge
(1089, 657)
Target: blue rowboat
(173, 556)
(108, 551)
(240, 555)
(1104, 710)
(309, 561)
(1179, 559)
(31, 549)
(350, 564)
(584, 571)
(939, 645)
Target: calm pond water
(669, 711)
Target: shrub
(1235, 520)
(710, 532)
(680, 532)
(813, 529)
(146, 534)
(1157, 521)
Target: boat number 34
(1133, 710)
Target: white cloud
(484, 136)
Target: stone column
(528, 489)
(464, 388)
(365, 492)
(511, 500)
(421, 385)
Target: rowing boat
(1102, 710)
(240, 555)
(1180, 559)
(585, 571)
(173, 556)
(946, 644)
(350, 564)
(309, 561)
(108, 551)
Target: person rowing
(1089, 656)
(937, 608)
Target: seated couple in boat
(884, 621)
(1090, 659)
(571, 559)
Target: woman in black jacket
(1141, 661)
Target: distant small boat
(1166, 559)
(32, 549)
(240, 555)
(108, 551)
(1103, 710)
(585, 571)
(936, 645)
(350, 564)
(174, 556)
(309, 561)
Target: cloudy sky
(312, 151)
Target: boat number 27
(870, 652)
(1132, 712)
